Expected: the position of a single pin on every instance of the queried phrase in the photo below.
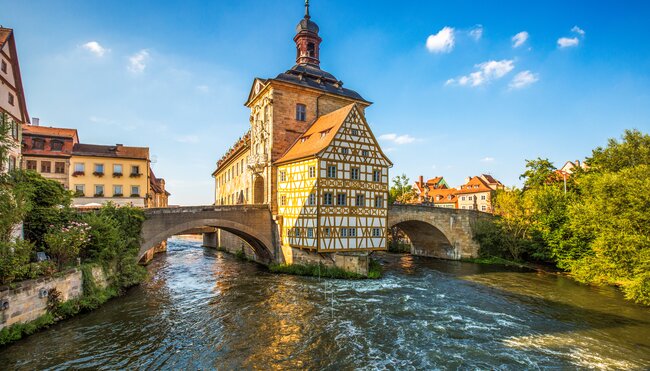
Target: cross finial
(307, 9)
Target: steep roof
(156, 184)
(7, 34)
(4, 35)
(474, 185)
(50, 131)
(319, 135)
(315, 78)
(448, 195)
(120, 151)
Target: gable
(256, 88)
(354, 142)
(14, 83)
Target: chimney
(467, 179)
(35, 121)
(421, 180)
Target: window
(365, 153)
(30, 165)
(312, 171)
(99, 169)
(135, 191)
(14, 129)
(11, 99)
(483, 207)
(376, 232)
(340, 199)
(311, 201)
(463, 207)
(352, 232)
(344, 232)
(3, 67)
(311, 49)
(354, 173)
(135, 170)
(355, 132)
(56, 145)
(463, 198)
(117, 169)
(379, 202)
(327, 199)
(326, 231)
(117, 190)
(310, 232)
(345, 151)
(301, 112)
(12, 163)
(99, 191)
(46, 167)
(79, 168)
(79, 190)
(38, 143)
(331, 171)
(376, 175)
(59, 167)
(360, 200)
(283, 200)
(296, 232)
(283, 176)
(482, 197)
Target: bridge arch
(252, 224)
(436, 232)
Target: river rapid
(203, 309)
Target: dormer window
(56, 145)
(301, 112)
(38, 143)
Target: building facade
(101, 173)
(48, 150)
(477, 193)
(311, 156)
(13, 108)
(158, 195)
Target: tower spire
(307, 9)
(307, 40)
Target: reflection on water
(203, 309)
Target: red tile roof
(50, 132)
(96, 150)
(474, 185)
(4, 35)
(319, 135)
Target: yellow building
(118, 173)
(333, 186)
(311, 156)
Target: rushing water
(203, 309)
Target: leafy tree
(14, 260)
(634, 150)
(6, 141)
(401, 191)
(64, 244)
(539, 172)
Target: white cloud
(487, 159)
(95, 48)
(397, 139)
(566, 42)
(138, 61)
(188, 139)
(523, 79)
(487, 71)
(519, 39)
(578, 30)
(203, 88)
(442, 42)
(477, 32)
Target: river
(203, 309)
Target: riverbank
(320, 270)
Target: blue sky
(452, 94)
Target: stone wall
(27, 300)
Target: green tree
(539, 172)
(6, 141)
(633, 150)
(401, 191)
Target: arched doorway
(258, 190)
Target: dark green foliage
(14, 261)
(598, 230)
(17, 331)
(320, 270)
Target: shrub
(64, 244)
(14, 260)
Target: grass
(17, 331)
(320, 270)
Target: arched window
(311, 49)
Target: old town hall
(311, 156)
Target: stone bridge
(437, 232)
(433, 231)
(252, 223)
